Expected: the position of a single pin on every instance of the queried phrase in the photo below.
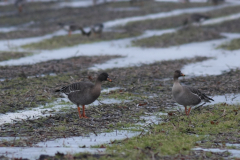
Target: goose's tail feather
(206, 98)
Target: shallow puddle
(233, 152)
(67, 145)
(76, 144)
(223, 61)
(227, 98)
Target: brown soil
(53, 66)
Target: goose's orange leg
(83, 114)
(20, 9)
(189, 111)
(79, 113)
(186, 110)
(69, 33)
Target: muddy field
(139, 91)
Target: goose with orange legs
(186, 95)
(69, 27)
(84, 93)
(19, 4)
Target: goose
(19, 4)
(84, 32)
(84, 93)
(69, 27)
(199, 17)
(97, 28)
(185, 95)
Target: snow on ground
(49, 109)
(176, 12)
(66, 145)
(148, 55)
(223, 60)
(233, 152)
(221, 19)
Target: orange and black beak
(182, 74)
(108, 79)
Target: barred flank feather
(69, 89)
(201, 95)
(206, 98)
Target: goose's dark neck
(98, 82)
(175, 79)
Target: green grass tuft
(75, 39)
(232, 45)
(184, 36)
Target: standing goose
(69, 27)
(195, 18)
(97, 29)
(84, 93)
(19, 4)
(198, 18)
(84, 32)
(187, 96)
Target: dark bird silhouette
(97, 29)
(216, 2)
(84, 32)
(69, 27)
(197, 18)
(19, 4)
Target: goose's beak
(108, 79)
(182, 74)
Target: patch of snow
(7, 45)
(227, 98)
(9, 2)
(110, 89)
(41, 111)
(223, 60)
(152, 118)
(33, 153)
(177, 1)
(66, 145)
(233, 152)
(84, 3)
(8, 29)
(124, 21)
(221, 19)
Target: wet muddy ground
(138, 83)
(147, 88)
(144, 84)
(43, 24)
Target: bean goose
(19, 4)
(97, 29)
(84, 32)
(187, 96)
(84, 93)
(69, 27)
(197, 18)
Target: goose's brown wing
(75, 87)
